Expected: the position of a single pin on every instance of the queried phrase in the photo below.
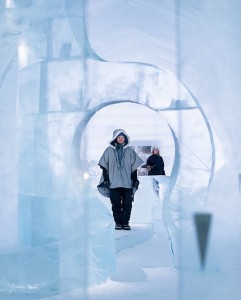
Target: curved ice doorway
(146, 128)
(194, 157)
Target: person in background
(155, 163)
(119, 181)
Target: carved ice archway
(111, 83)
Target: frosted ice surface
(61, 248)
(66, 235)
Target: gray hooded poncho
(119, 161)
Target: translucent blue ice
(65, 234)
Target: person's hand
(148, 168)
(137, 184)
(106, 184)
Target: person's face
(155, 151)
(120, 139)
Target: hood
(115, 135)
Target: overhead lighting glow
(23, 54)
(9, 4)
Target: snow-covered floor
(143, 271)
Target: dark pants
(121, 200)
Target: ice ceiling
(75, 58)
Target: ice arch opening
(196, 157)
(146, 128)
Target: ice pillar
(56, 228)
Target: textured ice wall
(8, 92)
(65, 234)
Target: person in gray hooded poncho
(119, 182)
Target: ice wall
(65, 235)
(8, 84)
